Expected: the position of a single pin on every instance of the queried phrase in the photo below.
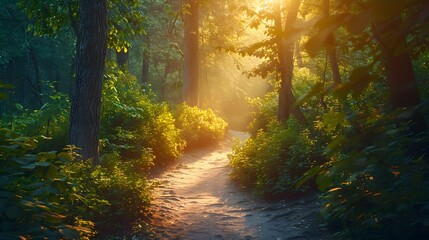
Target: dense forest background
(333, 92)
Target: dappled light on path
(196, 200)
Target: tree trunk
(38, 79)
(285, 55)
(191, 74)
(146, 61)
(167, 66)
(86, 104)
(399, 70)
(330, 48)
(122, 58)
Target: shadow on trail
(196, 200)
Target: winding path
(195, 200)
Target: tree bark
(330, 48)
(191, 54)
(402, 83)
(38, 79)
(86, 103)
(403, 87)
(146, 61)
(285, 55)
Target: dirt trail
(196, 200)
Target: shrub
(376, 184)
(57, 195)
(273, 161)
(114, 196)
(133, 124)
(199, 127)
(50, 122)
(265, 113)
(34, 193)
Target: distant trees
(285, 51)
(396, 34)
(191, 53)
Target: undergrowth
(199, 127)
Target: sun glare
(265, 4)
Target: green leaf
(36, 185)
(54, 217)
(23, 160)
(323, 181)
(334, 145)
(316, 89)
(14, 212)
(332, 120)
(52, 172)
(33, 204)
(334, 189)
(360, 78)
(69, 232)
(308, 175)
(19, 106)
(29, 166)
(65, 156)
(44, 156)
(43, 190)
(43, 164)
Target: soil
(195, 199)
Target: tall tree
(146, 60)
(191, 53)
(330, 46)
(402, 83)
(86, 103)
(285, 53)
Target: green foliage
(273, 161)
(134, 124)
(115, 191)
(50, 17)
(48, 124)
(199, 127)
(265, 113)
(34, 192)
(58, 195)
(376, 184)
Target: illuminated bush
(274, 160)
(199, 127)
(133, 124)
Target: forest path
(195, 200)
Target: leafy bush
(265, 113)
(58, 195)
(114, 196)
(376, 185)
(273, 161)
(34, 192)
(49, 122)
(133, 124)
(199, 127)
